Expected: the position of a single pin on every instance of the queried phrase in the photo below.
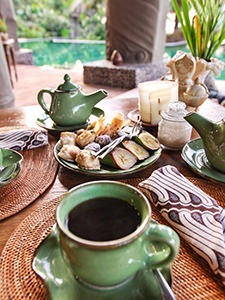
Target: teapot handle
(41, 100)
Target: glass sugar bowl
(174, 131)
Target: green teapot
(69, 105)
(213, 137)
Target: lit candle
(154, 97)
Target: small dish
(9, 157)
(49, 264)
(9, 165)
(193, 154)
(106, 171)
(6, 172)
(10, 177)
(46, 122)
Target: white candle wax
(154, 97)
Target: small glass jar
(174, 131)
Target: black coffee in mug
(103, 219)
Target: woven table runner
(38, 171)
(192, 277)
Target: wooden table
(27, 116)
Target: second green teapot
(69, 105)
(213, 137)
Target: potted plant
(3, 29)
(205, 30)
(203, 26)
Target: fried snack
(80, 131)
(85, 138)
(99, 127)
(69, 152)
(116, 124)
(87, 161)
(68, 138)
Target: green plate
(194, 155)
(46, 122)
(15, 171)
(49, 264)
(106, 171)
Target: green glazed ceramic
(9, 157)
(69, 105)
(46, 122)
(213, 137)
(49, 264)
(106, 171)
(9, 165)
(194, 155)
(9, 174)
(109, 263)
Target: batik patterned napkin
(22, 139)
(196, 216)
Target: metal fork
(129, 132)
(167, 291)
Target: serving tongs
(128, 132)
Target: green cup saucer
(194, 155)
(9, 165)
(48, 263)
(9, 174)
(9, 157)
(46, 122)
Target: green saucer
(9, 165)
(194, 155)
(48, 263)
(46, 122)
(9, 157)
(9, 174)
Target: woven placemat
(192, 277)
(38, 171)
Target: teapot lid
(68, 86)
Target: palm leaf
(206, 31)
(187, 34)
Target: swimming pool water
(65, 54)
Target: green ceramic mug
(112, 262)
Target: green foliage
(36, 18)
(205, 31)
(42, 18)
(3, 26)
(91, 24)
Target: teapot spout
(213, 137)
(97, 96)
(202, 125)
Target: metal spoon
(167, 292)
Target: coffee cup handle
(162, 234)
(41, 100)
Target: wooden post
(6, 92)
